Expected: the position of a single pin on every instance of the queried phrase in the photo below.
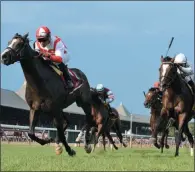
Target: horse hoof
(156, 145)
(58, 150)
(115, 147)
(124, 145)
(88, 148)
(167, 146)
(72, 152)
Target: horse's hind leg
(111, 140)
(116, 128)
(58, 120)
(87, 109)
(190, 139)
(34, 114)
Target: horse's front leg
(162, 141)
(58, 148)
(104, 141)
(179, 132)
(166, 139)
(97, 135)
(58, 120)
(34, 114)
(111, 140)
(160, 126)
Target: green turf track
(43, 158)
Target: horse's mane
(20, 36)
(167, 59)
(152, 89)
(94, 97)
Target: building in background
(14, 110)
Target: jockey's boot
(66, 75)
(110, 110)
(192, 85)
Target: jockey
(105, 95)
(157, 87)
(184, 69)
(53, 49)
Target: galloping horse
(153, 102)
(113, 124)
(100, 117)
(45, 90)
(177, 101)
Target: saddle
(112, 114)
(75, 79)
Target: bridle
(168, 77)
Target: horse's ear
(144, 93)
(161, 58)
(25, 35)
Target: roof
(123, 110)
(126, 115)
(73, 108)
(11, 99)
(17, 100)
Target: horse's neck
(176, 85)
(31, 73)
(155, 110)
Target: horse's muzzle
(5, 57)
(146, 105)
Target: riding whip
(169, 45)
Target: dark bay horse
(177, 101)
(153, 101)
(114, 124)
(100, 117)
(45, 90)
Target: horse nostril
(3, 57)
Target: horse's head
(168, 72)
(151, 97)
(16, 50)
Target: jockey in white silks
(185, 70)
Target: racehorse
(45, 89)
(153, 102)
(177, 101)
(100, 117)
(113, 124)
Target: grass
(38, 158)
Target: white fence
(12, 133)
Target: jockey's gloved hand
(45, 55)
(101, 99)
